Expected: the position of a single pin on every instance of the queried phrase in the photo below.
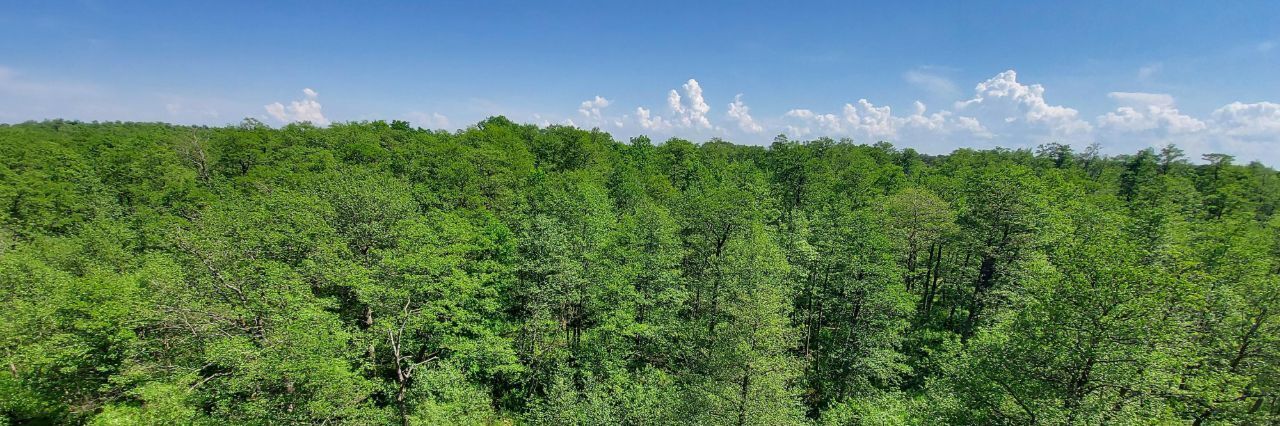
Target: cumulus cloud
(1255, 121)
(1249, 130)
(1021, 104)
(694, 114)
(867, 121)
(739, 112)
(1002, 111)
(972, 125)
(307, 109)
(862, 120)
(591, 108)
(648, 121)
(1148, 112)
(826, 123)
(688, 111)
(876, 122)
(944, 122)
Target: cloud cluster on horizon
(307, 109)
(1000, 111)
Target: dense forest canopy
(374, 273)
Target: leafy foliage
(372, 273)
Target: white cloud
(826, 123)
(1148, 112)
(873, 121)
(799, 113)
(688, 112)
(673, 102)
(866, 121)
(695, 113)
(918, 119)
(942, 122)
(971, 125)
(1001, 111)
(742, 114)
(307, 109)
(1266, 46)
(1250, 131)
(1017, 104)
(591, 108)
(1255, 121)
(650, 122)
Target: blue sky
(929, 75)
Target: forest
(512, 274)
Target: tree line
(376, 273)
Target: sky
(934, 76)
